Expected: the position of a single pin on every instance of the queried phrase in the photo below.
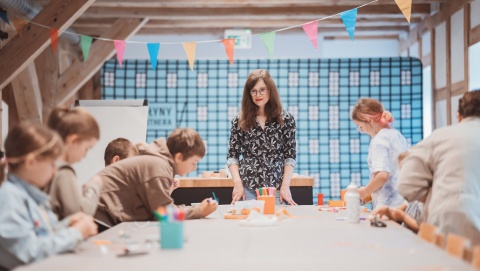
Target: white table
(313, 240)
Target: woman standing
(264, 135)
(386, 144)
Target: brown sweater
(134, 188)
(67, 196)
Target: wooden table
(312, 240)
(196, 189)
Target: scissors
(377, 223)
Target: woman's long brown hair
(273, 108)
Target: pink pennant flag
(120, 48)
(54, 39)
(311, 29)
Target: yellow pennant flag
(190, 48)
(406, 8)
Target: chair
(456, 245)
(428, 232)
(440, 242)
(476, 257)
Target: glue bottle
(352, 199)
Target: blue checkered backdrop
(320, 93)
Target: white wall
(457, 68)
(426, 41)
(474, 11)
(440, 56)
(293, 45)
(427, 101)
(441, 113)
(454, 107)
(474, 66)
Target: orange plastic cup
(320, 198)
(269, 207)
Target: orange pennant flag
(54, 39)
(406, 8)
(229, 48)
(190, 48)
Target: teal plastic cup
(171, 235)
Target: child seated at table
(134, 188)
(29, 230)
(408, 214)
(80, 132)
(119, 149)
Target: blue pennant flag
(349, 18)
(153, 49)
(3, 15)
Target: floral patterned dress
(383, 153)
(261, 153)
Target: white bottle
(352, 199)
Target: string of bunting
(348, 17)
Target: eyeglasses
(259, 92)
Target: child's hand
(362, 192)
(392, 214)
(208, 206)
(72, 219)
(175, 184)
(85, 226)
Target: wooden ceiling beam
(361, 37)
(21, 51)
(47, 64)
(95, 32)
(286, 16)
(319, 11)
(220, 31)
(238, 3)
(26, 93)
(100, 51)
(241, 3)
(242, 22)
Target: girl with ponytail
(385, 146)
(80, 132)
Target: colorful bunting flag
(406, 8)
(190, 48)
(54, 39)
(311, 29)
(153, 49)
(269, 41)
(85, 42)
(229, 48)
(120, 48)
(19, 25)
(349, 18)
(3, 15)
